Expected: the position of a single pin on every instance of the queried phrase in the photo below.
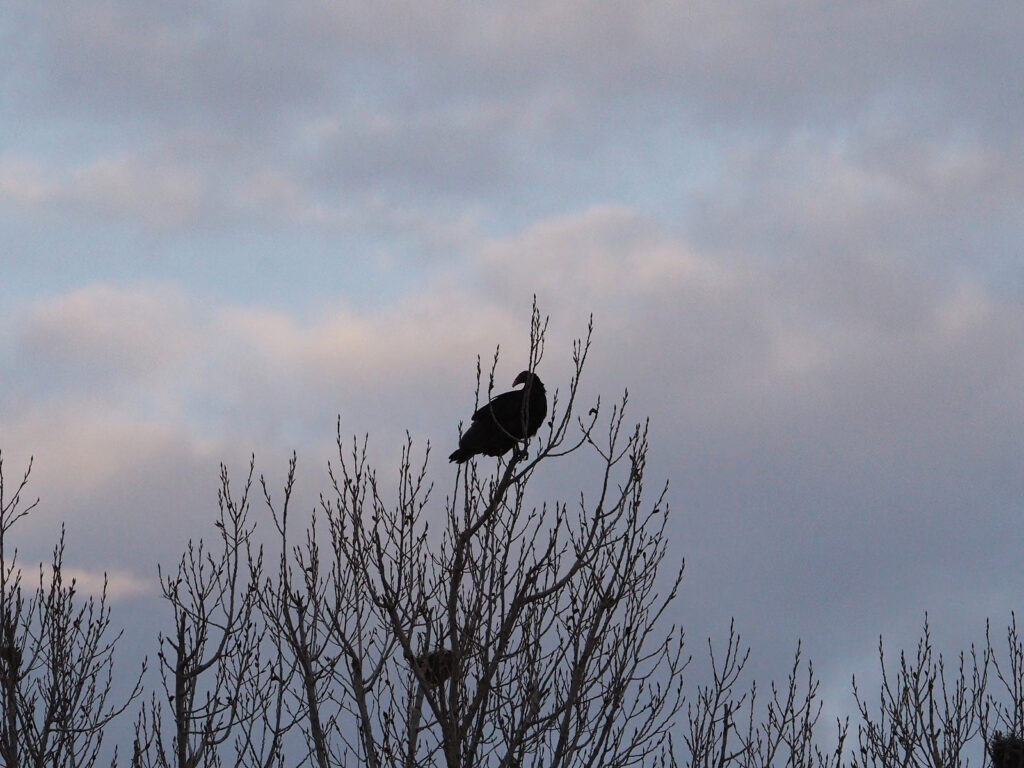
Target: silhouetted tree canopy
(523, 633)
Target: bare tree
(293, 603)
(56, 656)
(929, 712)
(215, 686)
(1002, 709)
(522, 633)
(493, 627)
(726, 725)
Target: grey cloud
(102, 339)
(939, 203)
(835, 437)
(339, 116)
(837, 431)
(813, 325)
(400, 153)
(740, 64)
(184, 64)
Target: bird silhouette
(505, 420)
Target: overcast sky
(798, 226)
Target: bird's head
(523, 378)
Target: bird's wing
(505, 407)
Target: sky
(226, 226)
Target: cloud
(185, 65)
(104, 367)
(836, 430)
(157, 194)
(450, 151)
(739, 334)
(399, 123)
(101, 339)
(189, 182)
(119, 585)
(606, 256)
(428, 73)
(797, 226)
(939, 204)
(22, 182)
(838, 397)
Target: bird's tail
(460, 455)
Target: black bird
(436, 667)
(507, 419)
